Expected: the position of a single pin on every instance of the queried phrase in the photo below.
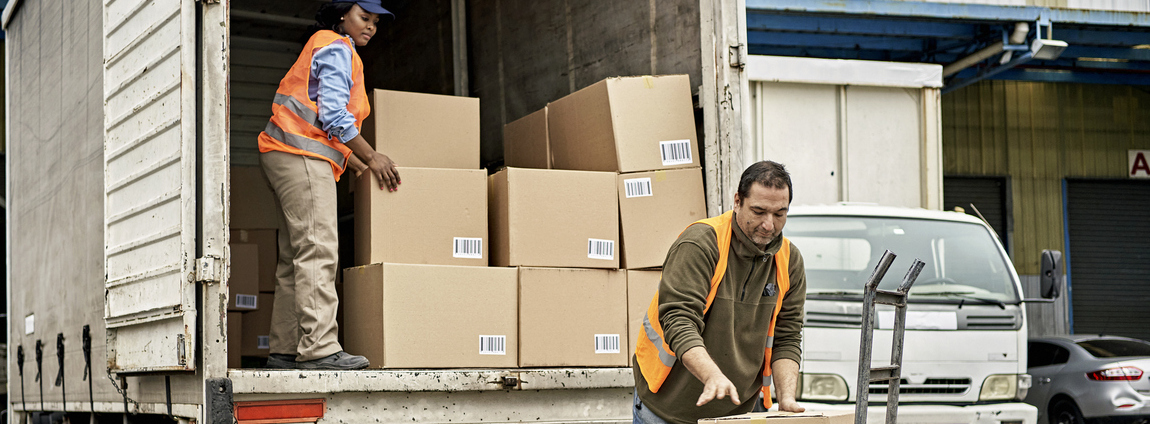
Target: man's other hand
(789, 405)
(718, 387)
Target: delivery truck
(126, 127)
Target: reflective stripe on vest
(295, 126)
(652, 353)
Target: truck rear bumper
(999, 413)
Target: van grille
(833, 319)
(991, 322)
(932, 386)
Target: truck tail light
(1120, 373)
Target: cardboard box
(572, 317)
(641, 289)
(424, 130)
(776, 417)
(431, 316)
(554, 218)
(253, 202)
(244, 282)
(438, 216)
(654, 208)
(626, 125)
(257, 326)
(525, 142)
(235, 336)
(268, 246)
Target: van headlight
(1005, 387)
(822, 387)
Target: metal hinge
(209, 269)
(737, 55)
(181, 351)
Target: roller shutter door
(988, 194)
(1109, 256)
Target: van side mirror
(1050, 278)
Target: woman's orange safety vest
(655, 356)
(295, 126)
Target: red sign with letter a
(1139, 164)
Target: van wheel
(1065, 412)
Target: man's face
(763, 213)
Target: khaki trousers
(303, 316)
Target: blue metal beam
(1077, 51)
(952, 11)
(1074, 77)
(1122, 37)
(860, 42)
(845, 25)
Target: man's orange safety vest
(655, 356)
(295, 126)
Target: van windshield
(963, 261)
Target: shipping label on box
(438, 217)
(424, 130)
(626, 124)
(654, 208)
(432, 316)
(776, 417)
(572, 317)
(554, 218)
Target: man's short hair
(769, 174)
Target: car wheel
(1065, 412)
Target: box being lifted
(431, 316)
(625, 125)
(543, 217)
(424, 130)
(438, 216)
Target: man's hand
(715, 384)
(718, 387)
(785, 373)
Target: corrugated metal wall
(1038, 134)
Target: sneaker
(280, 361)
(337, 361)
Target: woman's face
(359, 24)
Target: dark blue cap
(372, 6)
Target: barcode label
(246, 301)
(469, 248)
(606, 343)
(263, 342)
(492, 345)
(601, 249)
(637, 187)
(676, 152)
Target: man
(732, 286)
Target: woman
(312, 136)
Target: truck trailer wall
(524, 53)
(55, 157)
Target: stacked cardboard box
(421, 295)
(254, 254)
(640, 131)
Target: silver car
(1089, 377)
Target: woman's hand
(378, 163)
(384, 170)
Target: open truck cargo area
(133, 166)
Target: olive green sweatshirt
(734, 330)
